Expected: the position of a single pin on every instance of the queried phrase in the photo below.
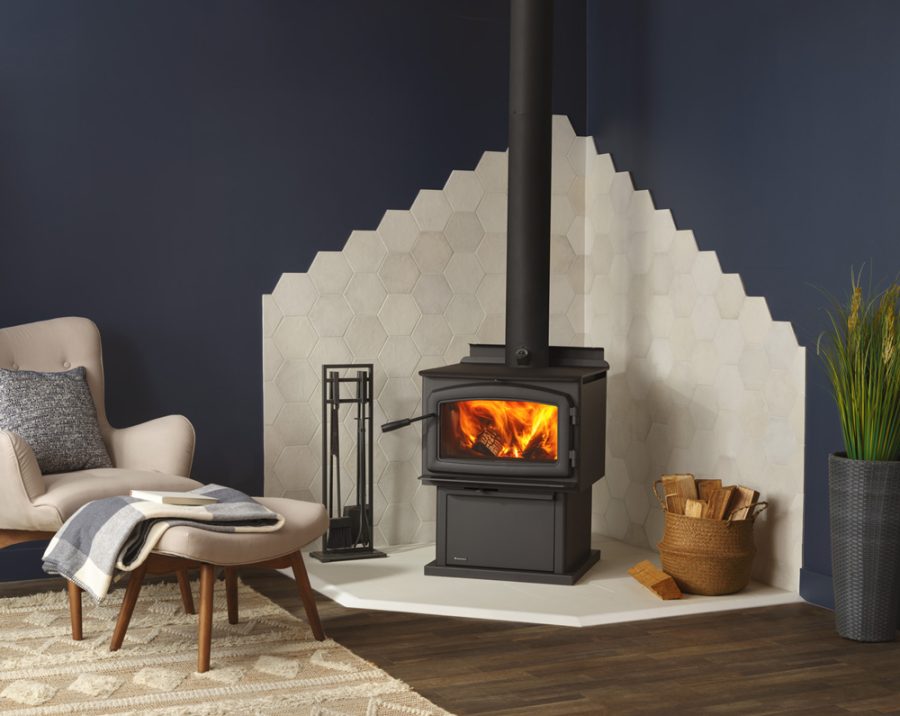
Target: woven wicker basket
(706, 556)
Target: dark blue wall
(772, 129)
(162, 162)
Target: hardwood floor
(776, 660)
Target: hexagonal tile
(432, 334)
(431, 252)
(364, 251)
(330, 272)
(431, 210)
(365, 337)
(425, 502)
(399, 273)
(639, 376)
(331, 315)
(432, 293)
(780, 394)
(704, 362)
(683, 294)
(491, 253)
(399, 398)
(617, 522)
(399, 482)
(781, 444)
(561, 294)
(561, 332)
(561, 173)
(296, 380)
(705, 317)
(781, 345)
(399, 523)
(730, 295)
(295, 337)
(297, 466)
(463, 190)
(399, 357)
(639, 337)
(601, 172)
(706, 272)
(458, 349)
(272, 401)
(637, 502)
(660, 357)
(601, 254)
(755, 319)
(562, 214)
(704, 406)
(639, 252)
(620, 192)
(271, 315)
(399, 314)
(464, 314)
(491, 293)
(683, 251)
(578, 153)
(492, 329)
(578, 194)
(464, 231)
(492, 172)
(729, 340)
(296, 423)
(295, 294)
(754, 367)
(365, 293)
(562, 134)
(330, 349)
(491, 212)
(463, 273)
(398, 229)
(729, 387)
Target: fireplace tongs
(397, 424)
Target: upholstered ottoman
(182, 548)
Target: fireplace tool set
(350, 527)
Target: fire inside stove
(506, 429)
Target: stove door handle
(397, 424)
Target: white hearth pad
(606, 595)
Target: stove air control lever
(397, 424)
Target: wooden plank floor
(775, 660)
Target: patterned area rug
(267, 664)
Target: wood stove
(514, 435)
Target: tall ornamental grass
(861, 353)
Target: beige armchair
(155, 455)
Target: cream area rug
(267, 664)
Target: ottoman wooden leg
(204, 632)
(75, 609)
(128, 601)
(307, 596)
(231, 594)
(187, 599)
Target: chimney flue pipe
(528, 225)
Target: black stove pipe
(528, 224)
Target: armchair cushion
(67, 492)
(54, 414)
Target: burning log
(489, 442)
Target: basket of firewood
(707, 546)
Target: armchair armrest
(161, 445)
(20, 482)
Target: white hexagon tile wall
(702, 379)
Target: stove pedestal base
(515, 575)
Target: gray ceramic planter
(865, 546)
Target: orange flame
(503, 429)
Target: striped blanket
(119, 532)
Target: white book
(173, 498)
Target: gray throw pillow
(55, 414)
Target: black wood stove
(514, 436)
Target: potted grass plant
(861, 354)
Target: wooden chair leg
(128, 601)
(187, 599)
(75, 609)
(204, 631)
(231, 594)
(307, 596)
